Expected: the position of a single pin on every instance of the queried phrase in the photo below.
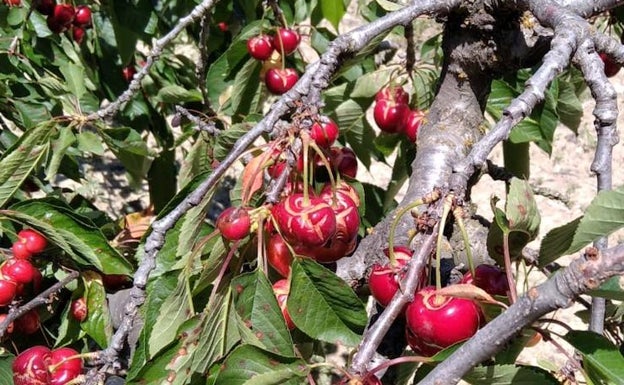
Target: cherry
(393, 93)
(13, 3)
(10, 327)
(8, 290)
(411, 122)
(82, 17)
(383, 281)
(29, 322)
(20, 251)
(234, 223)
(491, 279)
(18, 270)
(310, 223)
(54, 25)
(31, 366)
(279, 81)
(344, 160)
(62, 367)
(64, 14)
(279, 255)
(325, 132)
(45, 7)
(435, 322)
(611, 68)
(346, 211)
(78, 309)
(35, 242)
(344, 188)
(78, 34)
(281, 289)
(113, 282)
(223, 26)
(260, 47)
(128, 73)
(333, 250)
(389, 115)
(287, 39)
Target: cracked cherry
(281, 289)
(411, 123)
(346, 211)
(64, 366)
(30, 367)
(344, 161)
(393, 93)
(279, 81)
(287, 39)
(234, 223)
(78, 309)
(279, 255)
(18, 270)
(35, 242)
(310, 223)
(384, 280)
(324, 132)
(260, 47)
(435, 322)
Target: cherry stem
(224, 267)
(305, 139)
(262, 265)
(457, 214)
(400, 360)
(52, 368)
(393, 227)
(513, 294)
(446, 209)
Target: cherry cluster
(393, 115)
(435, 321)
(63, 17)
(271, 50)
(39, 365)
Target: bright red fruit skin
(611, 68)
(31, 366)
(346, 211)
(330, 252)
(128, 73)
(491, 279)
(223, 26)
(28, 323)
(13, 3)
(82, 17)
(8, 289)
(411, 122)
(383, 281)
(260, 47)
(344, 161)
(79, 309)
(234, 223)
(281, 290)
(287, 39)
(393, 93)
(18, 270)
(279, 255)
(64, 14)
(389, 115)
(324, 133)
(35, 242)
(20, 251)
(45, 7)
(344, 188)
(310, 223)
(435, 322)
(63, 368)
(279, 81)
(78, 34)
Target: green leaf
(323, 306)
(21, 158)
(98, 324)
(226, 139)
(389, 5)
(74, 78)
(612, 289)
(256, 304)
(333, 10)
(510, 375)
(89, 142)
(162, 179)
(247, 88)
(177, 95)
(569, 106)
(368, 85)
(602, 360)
(59, 150)
(73, 233)
(250, 365)
(6, 371)
(557, 242)
(129, 147)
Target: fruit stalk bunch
(271, 50)
(393, 115)
(63, 17)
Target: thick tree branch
(583, 274)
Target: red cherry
(63, 367)
(8, 290)
(64, 14)
(344, 160)
(29, 322)
(234, 223)
(383, 281)
(346, 211)
(20, 251)
(45, 7)
(330, 252)
(223, 26)
(491, 279)
(78, 34)
(393, 93)
(128, 73)
(324, 133)
(279, 81)
(260, 47)
(389, 115)
(18, 270)
(279, 255)
(344, 188)
(281, 290)
(611, 68)
(113, 282)
(82, 17)
(31, 366)
(287, 39)
(411, 122)
(310, 223)
(35, 242)
(435, 322)
(54, 25)
(78, 309)
(13, 3)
